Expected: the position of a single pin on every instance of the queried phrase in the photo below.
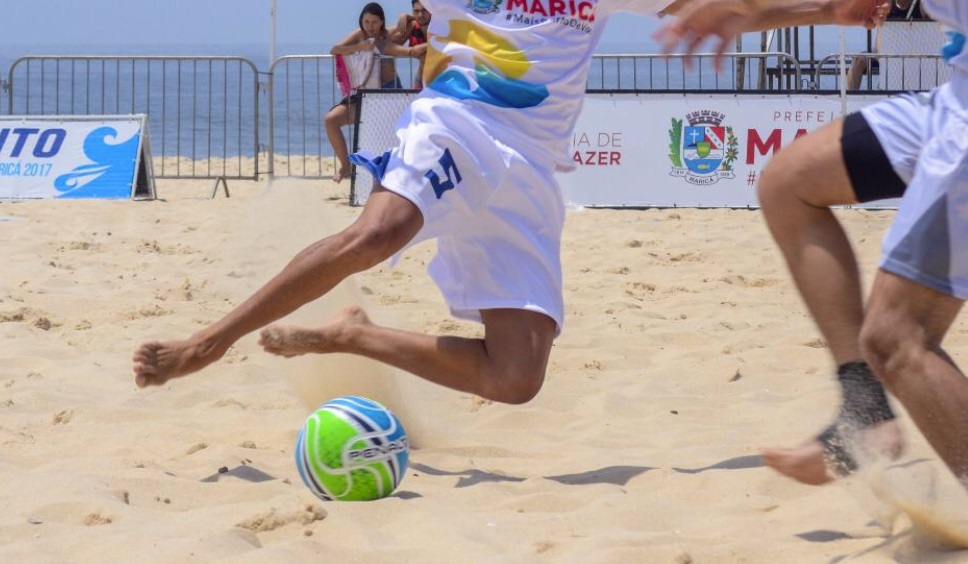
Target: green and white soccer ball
(352, 449)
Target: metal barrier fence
(203, 111)
(208, 114)
(4, 94)
(741, 71)
(303, 88)
(884, 73)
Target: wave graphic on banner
(113, 166)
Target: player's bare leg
(813, 464)
(335, 336)
(156, 362)
(796, 191)
(387, 223)
(508, 365)
(902, 339)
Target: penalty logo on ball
(352, 449)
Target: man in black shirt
(901, 10)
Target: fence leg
(225, 186)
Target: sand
(686, 349)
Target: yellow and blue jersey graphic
(473, 62)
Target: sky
(30, 24)
(35, 27)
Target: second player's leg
(796, 191)
(902, 336)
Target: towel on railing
(355, 71)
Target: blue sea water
(257, 53)
(197, 110)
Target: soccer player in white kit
(923, 278)
(474, 168)
(920, 288)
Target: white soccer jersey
(928, 240)
(477, 149)
(953, 14)
(523, 63)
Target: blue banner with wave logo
(71, 156)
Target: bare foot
(806, 464)
(343, 172)
(289, 340)
(810, 464)
(155, 363)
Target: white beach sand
(685, 350)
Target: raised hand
(701, 20)
(867, 13)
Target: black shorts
(356, 96)
(351, 99)
(870, 171)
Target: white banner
(686, 150)
(71, 156)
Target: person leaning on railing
(901, 10)
(356, 55)
(412, 30)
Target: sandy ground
(685, 350)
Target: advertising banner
(74, 157)
(686, 150)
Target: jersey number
(450, 171)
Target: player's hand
(701, 20)
(868, 13)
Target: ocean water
(197, 109)
(204, 110)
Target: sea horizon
(174, 138)
(827, 41)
